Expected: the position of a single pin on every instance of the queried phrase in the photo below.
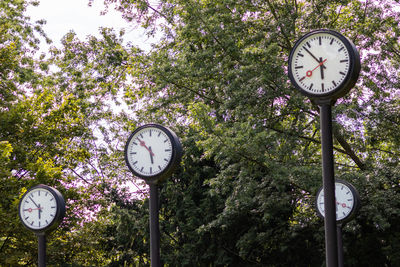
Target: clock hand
(308, 51)
(343, 205)
(143, 144)
(321, 63)
(322, 68)
(151, 155)
(30, 209)
(34, 202)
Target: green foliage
(244, 193)
(218, 76)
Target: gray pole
(154, 227)
(41, 250)
(331, 247)
(340, 246)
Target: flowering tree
(244, 193)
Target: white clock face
(320, 63)
(38, 208)
(149, 151)
(344, 201)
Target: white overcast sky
(63, 16)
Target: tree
(50, 125)
(244, 193)
(219, 75)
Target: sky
(63, 16)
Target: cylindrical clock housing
(347, 201)
(324, 65)
(152, 152)
(41, 208)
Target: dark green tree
(244, 193)
(218, 75)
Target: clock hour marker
(159, 167)
(134, 143)
(343, 60)
(320, 40)
(166, 160)
(331, 41)
(308, 44)
(334, 83)
(141, 169)
(134, 163)
(341, 72)
(167, 150)
(47, 222)
(52, 215)
(27, 218)
(311, 85)
(32, 222)
(150, 133)
(302, 78)
(298, 67)
(341, 49)
(38, 193)
(322, 87)
(300, 54)
(133, 153)
(151, 170)
(53, 207)
(166, 140)
(159, 134)
(39, 223)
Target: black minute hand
(311, 54)
(34, 202)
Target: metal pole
(329, 185)
(41, 250)
(340, 246)
(154, 227)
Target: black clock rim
(60, 212)
(176, 153)
(348, 82)
(354, 209)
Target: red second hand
(342, 204)
(30, 209)
(142, 143)
(309, 73)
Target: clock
(324, 64)
(41, 208)
(152, 152)
(347, 201)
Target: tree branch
(347, 148)
(304, 137)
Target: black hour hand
(322, 68)
(151, 155)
